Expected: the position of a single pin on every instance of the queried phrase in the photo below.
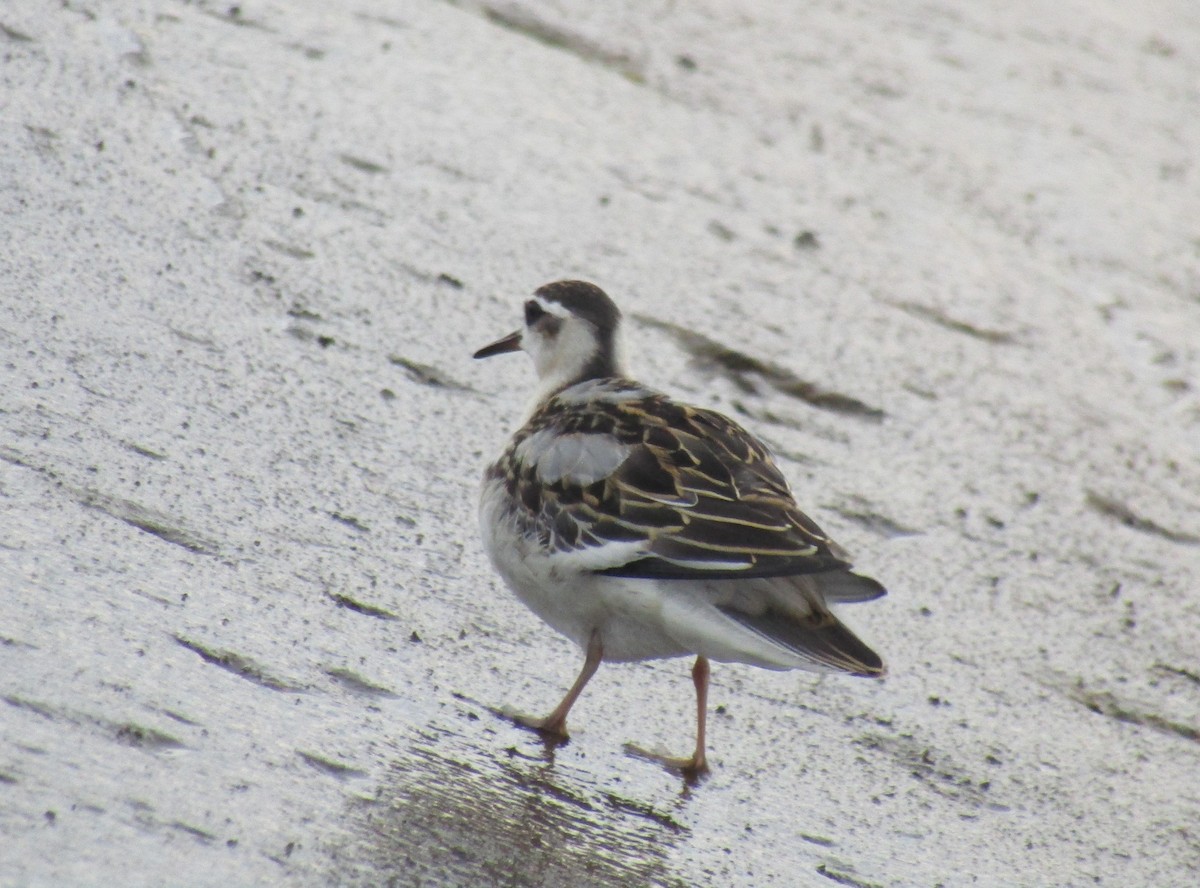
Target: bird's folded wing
(672, 492)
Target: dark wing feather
(735, 516)
(820, 637)
(847, 587)
(702, 496)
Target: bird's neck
(604, 363)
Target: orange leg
(693, 767)
(555, 724)
(699, 763)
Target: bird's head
(571, 332)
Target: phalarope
(642, 528)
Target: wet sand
(946, 263)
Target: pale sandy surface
(247, 636)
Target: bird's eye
(533, 313)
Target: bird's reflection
(455, 815)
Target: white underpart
(579, 458)
(564, 592)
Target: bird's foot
(692, 768)
(551, 730)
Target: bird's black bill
(510, 343)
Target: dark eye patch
(536, 316)
(533, 312)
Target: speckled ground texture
(944, 260)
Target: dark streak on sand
(147, 520)
(533, 26)
(844, 878)
(927, 313)
(14, 35)
(358, 607)
(641, 809)
(126, 733)
(349, 521)
(337, 769)
(427, 375)
(741, 369)
(875, 522)
(352, 681)
(1120, 512)
(1104, 703)
(242, 667)
(362, 165)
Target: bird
(643, 528)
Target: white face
(560, 343)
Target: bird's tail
(818, 637)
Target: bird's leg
(699, 763)
(554, 725)
(693, 767)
